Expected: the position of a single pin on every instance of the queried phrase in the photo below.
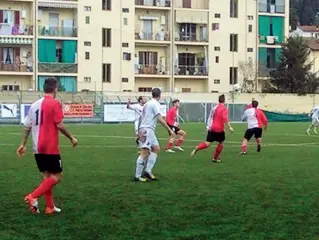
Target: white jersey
(138, 109)
(315, 112)
(150, 112)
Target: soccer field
(268, 195)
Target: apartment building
(121, 45)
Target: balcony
(153, 3)
(46, 31)
(151, 69)
(271, 8)
(58, 68)
(155, 37)
(15, 29)
(191, 38)
(191, 70)
(73, 4)
(16, 68)
(189, 5)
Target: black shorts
(257, 132)
(49, 163)
(175, 129)
(215, 137)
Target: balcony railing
(202, 4)
(58, 31)
(155, 69)
(264, 70)
(15, 29)
(152, 36)
(271, 8)
(153, 3)
(191, 37)
(58, 67)
(15, 67)
(191, 70)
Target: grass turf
(271, 195)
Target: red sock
(48, 197)
(169, 145)
(45, 186)
(218, 150)
(180, 141)
(258, 140)
(244, 148)
(201, 146)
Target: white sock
(151, 162)
(139, 167)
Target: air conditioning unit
(270, 40)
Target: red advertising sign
(78, 110)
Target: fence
(107, 107)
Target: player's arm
(226, 121)
(26, 133)
(311, 112)
(244, 117)
(264, 120)
(164, 124)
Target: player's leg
(181, 135)
(141, 160)
(170, 142)
(315, 125)
(248, 135)
(203, 145)
(152, 157)
(136, 132)
(220, 138)
(48, 196)
(311, 126)
(258, 136)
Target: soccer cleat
(52, 210)
(32, 203)
(169, 151)
(217, 160)
(258, 148)
(315, 131)
(308, 132)
(179, 148)
(140, 179)
(150, 176)
(243, 153)
(193, 152)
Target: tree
(248, 71)
(292, 74)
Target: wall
(151, 82)
(196, 4)
(196, 85)
(18, 6)
(314, 58)
(25, 82)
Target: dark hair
(221, 99)
(50, 84)
(254, 104)
(140, 98)
(156, 93)
(175, 101)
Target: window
(250, 28)
(87, 79)
(126, 56)
(215, 26)
(127, 90)
(106, 5)
(10, 87)
(87, 20)
(217, 15)
(216, 48)
(58, 54)
(233, 42)
(250, 17)
(145, 89)
(234, 8)
(106, 74)
(87, 55)
(217, 59)
(186, 89)
(125, 10)
(87, 43)
(106, 37)
(124, 79)
(125, 21)
(125, 44)
(250, 49)
(233, 75)
(187, 32)
(216, 81)
(87, 8)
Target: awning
(58, 5)
(15, 40)
(147, 17)
(198, 17)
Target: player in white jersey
(137, 108)
(148, 142)
(314, 114)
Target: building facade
(134, 45)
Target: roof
(313, 43)
(309, 28)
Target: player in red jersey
(256, 120)
(44, 119)
(250, 104)
(172, 122)
(216, 129)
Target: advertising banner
(78, 110)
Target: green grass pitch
(271, 195)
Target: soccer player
(44, 119)
(216, 129)
(314, 114)
(256, 120)
(148, 142)
(172, 122)
(250, 104)
(138, 108)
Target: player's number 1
(37, 120)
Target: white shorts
(315, 121)
(147, 138)
(136, 126)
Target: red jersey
(218, 118)
(255, 118)
(172, 116)
(248, 106)
(43, 117)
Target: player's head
(221, 98)
(50, 86)
(141, 100)
(156, 93)
(176, 103)
(254, 104)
